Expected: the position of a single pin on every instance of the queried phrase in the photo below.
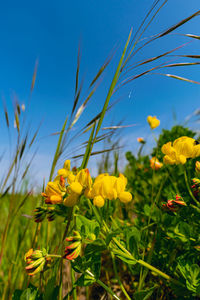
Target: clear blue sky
(51, 32)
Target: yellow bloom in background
(181, 149)
(155, 164)
(141, 140)
(153, 122)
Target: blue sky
(51, 31)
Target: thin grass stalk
(57, 153)
(111, 89)
(117, 276)
(88, 148)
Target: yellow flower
(98, 201)
(53, 193)
(111, 188)
(153, 122)
(155, 164)
(78, 184)
(182, 148)
(84, 178)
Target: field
(130, 233)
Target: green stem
(117, 276)
(188, 188)
(108, 290)
(54, 255)
(140, 261)
(74, 293)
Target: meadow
(125, 234)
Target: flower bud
(155, 164)
(39, 214)
(73, 250)
(51, 215)
(174, 204)
(36, 261)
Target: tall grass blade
(34, 76)
(179, 78)
(112, 86)
(88, 149)
(171, 29)
(57, 153)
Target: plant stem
(189, 190)
(73, 282)
(117, 276)
(108, 290)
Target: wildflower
(174, 204)
(182, 148)
(55, 190)
(155, 164)
(141, 140)
(197, 167)
(73, 250)
(39, 214)
(35, 261)
(53, 193)
(153, 122)
(109, 187)
(80, 183)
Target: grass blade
(179, 78)
(57, 153)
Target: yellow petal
(67, 165)
(168, 160)
(98, 201)
(55, 199)
(125, 197)
(76, 187)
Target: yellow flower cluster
(104, 187)
(55, 190)
(80, 183)
(109, 187)
(181, 149)
(153, 122)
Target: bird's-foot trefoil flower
(155, 164)
(181, 149)
(37, 261)
(153, 122)
(73, 250)
(174, 204)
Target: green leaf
(144, 294)
(96, 246)
(85, 280)
(51, 290)
(31, 293)
(86, 226)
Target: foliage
(134, 236)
